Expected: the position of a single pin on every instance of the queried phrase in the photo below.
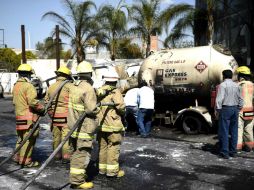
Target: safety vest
(247, 91)
(24, 100)
(59, 108)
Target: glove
(41, 112)
(39, 108)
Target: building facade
(233, 28)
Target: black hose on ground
(50, 158)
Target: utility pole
(57, 48)
(23, 43)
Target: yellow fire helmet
(243, 70)
(111, 75)
(25, 68)
(64, 70)
(84, 67)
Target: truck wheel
(191, 124)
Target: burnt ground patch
(233, 178)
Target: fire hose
(36, 125)
(52, 78)
(76, 125)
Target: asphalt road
(168, 160)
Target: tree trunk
(80, 54)
(148, 44)
(113, 47)
(210, 9)
(113, 51)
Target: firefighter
(82, 99)
(110, 127)
(246, 115)
(27, 108)
(59, 112)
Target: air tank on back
(187, 73)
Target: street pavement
(167, 160)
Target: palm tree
(79, 26)
(210, 13)
(46, 49)
(113, 21)
(183, 14)
(146, 18)
(183, 24)
(149, 21)
(128, 50)
(203, 19)
(204, 22)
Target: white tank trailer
(184, 82)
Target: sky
(14, 13)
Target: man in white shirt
(131, 106)
(146, 107)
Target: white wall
(131, 69)
(44, 68)
(8, 80)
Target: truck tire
(191, 124)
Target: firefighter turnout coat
(26, 107)
(58, 111)
(110, 131)
(246, 115)
(82, 99)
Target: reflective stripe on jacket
(58, 111)
(80, 135)
(25, 102)
(247, 91)
(110, 116)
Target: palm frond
(71, 9)
(174, 11)
(59, 19)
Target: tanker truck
(184, 82)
